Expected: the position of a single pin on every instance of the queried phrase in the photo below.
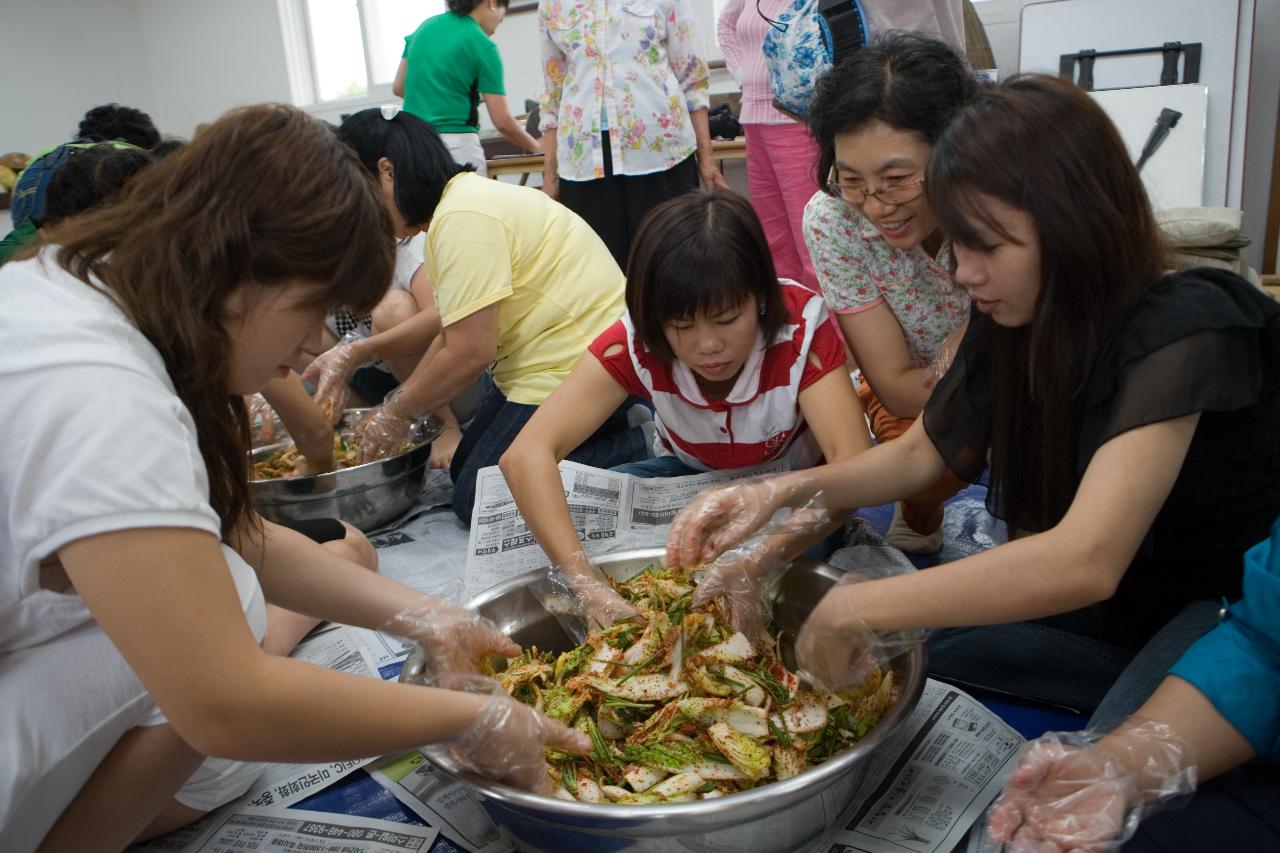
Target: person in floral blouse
(624, 110)
(882, 260)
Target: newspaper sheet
(246, 828)
(611, 512)
(921, 791)
(440, 801)
(335, 647)
(930, 782)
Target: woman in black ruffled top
(1129, 419)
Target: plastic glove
(331, 371)
(1086, 791)
(579, 595)
(387, 430)
(718, 519)
(744, 578)
(262, 420)
(835, 649)
(456, 641)
(506, 739)
(946, 356)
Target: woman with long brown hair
(1130, 420)
(134, 568)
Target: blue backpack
(808, 38)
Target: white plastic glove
(1088, 791)
(331, 370)
(507, 738)
(387, 430)
(455, 640)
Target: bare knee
(356, 547)
(394, 308)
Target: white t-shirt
(95, 440)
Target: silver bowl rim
(430, 427)
(765, 795)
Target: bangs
(966, 219)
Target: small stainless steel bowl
(366, 496)
(776, 817)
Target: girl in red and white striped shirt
(741, 368)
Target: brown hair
(266, 194)
(699, 254)
(1043, 146)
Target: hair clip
(390, 111)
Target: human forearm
(298, 574)
(550, 163)
(411, 337)
(306, 423)
(1216, 744)
(903, 393)
(534, 480)
(440, 379)
(513, 132)
(883, 474)
(1028, 578)
(277, 694)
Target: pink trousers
(781, 159)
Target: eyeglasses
(896, 192)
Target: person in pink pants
(781, 156)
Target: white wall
(206, 57)
(58, 58)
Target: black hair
(88, 178)
(113, 121)
(169, 146)
(419, 157)
(908, 81)
(700, 253)
(465, 7)
(1041, 145)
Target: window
(348, 48)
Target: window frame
(300, 62)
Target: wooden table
(526, 164)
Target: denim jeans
(497, 422)
(658, 466)
(1067, 660)
(1148, 668)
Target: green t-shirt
(450, 64)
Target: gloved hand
(946, 355)
(1088, 791)
(262, 420)
(744, 577)
(331, 371)
(835, 649)
(387, 430)
(506, 739)
(718, 519)
(579, 595)
(456, 641)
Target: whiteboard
(1174, 176)
(1050, 29)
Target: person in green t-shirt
(450, 62)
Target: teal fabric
(1237, 665)
(25, 233)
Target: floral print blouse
(858, 270)
(637, 66)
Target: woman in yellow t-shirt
(521, 285)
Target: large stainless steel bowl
(367, 496)
(777, 817)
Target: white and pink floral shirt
(636, 65)
(858, 270)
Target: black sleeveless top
(1201, 340)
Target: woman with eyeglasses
(1129, 418)
(882, 259)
